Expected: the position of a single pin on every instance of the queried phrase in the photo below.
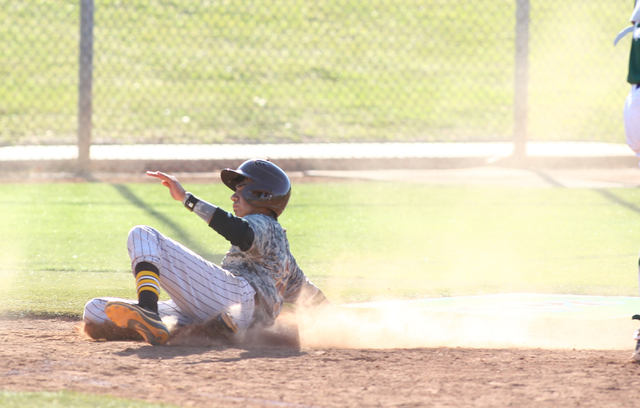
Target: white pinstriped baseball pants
(632, 119)
(199, 289)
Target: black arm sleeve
(234, 229)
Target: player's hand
(175, 188)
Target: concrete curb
(306, 157)
(204, 166)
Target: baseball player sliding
(248, 289)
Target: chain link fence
(268, 71)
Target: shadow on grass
(547, 178)
(180, 234)
(614, 198)
(603, 192)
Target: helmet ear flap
(256, 194)
(262, 195)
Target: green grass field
(270, 71)
(63, 244)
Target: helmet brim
(231, 177)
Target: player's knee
(140, 234)
(139, 231)
(94, 311)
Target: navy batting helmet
(269, 187)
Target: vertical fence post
(521, 85)
(85, 84)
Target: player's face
(240, 205)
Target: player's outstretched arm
(175, 188)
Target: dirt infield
(51, 355)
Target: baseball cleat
(145, 322)
(636, 354)
(636, 337)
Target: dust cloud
(394, 326)
(397, 326)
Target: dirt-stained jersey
(270, 268)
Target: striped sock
(148, 285)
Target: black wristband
(191, 202)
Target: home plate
(486, 321)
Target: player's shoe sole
(147, 323)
